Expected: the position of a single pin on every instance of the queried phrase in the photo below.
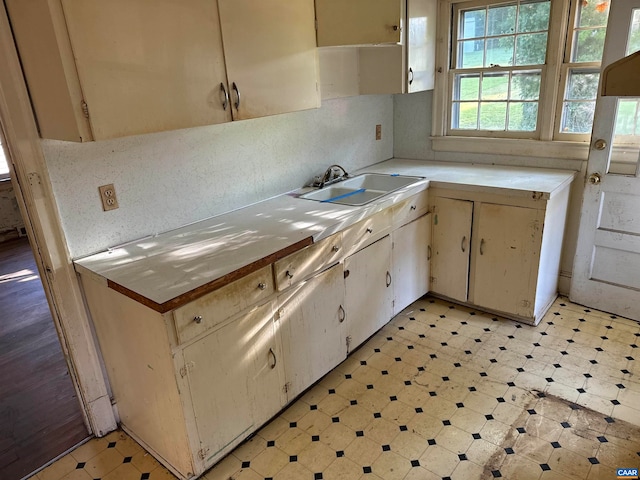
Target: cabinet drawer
(300, 265)
(367, 231)
(410, 209)
(212, 309)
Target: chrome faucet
(330, 176)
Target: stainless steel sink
(361, 189)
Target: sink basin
(361, 189)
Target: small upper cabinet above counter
(98, 70)
(381, 47)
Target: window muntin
(500, 52)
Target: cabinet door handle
(388, 279)
(410, 76)
(235, 89)
(395, 28)
(369, 230)
(289, 274)
(413, 207)
(342, 315)
(463, 244)
(198, 319)
(225, 99)
(428, 252)
(262, 285)
(273, 356)
(482, 246)
(335, 248)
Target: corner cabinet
(98, 70)
(386, 46)
(498, 252)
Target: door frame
(37, 204)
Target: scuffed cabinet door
(451, 240)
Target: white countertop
(169, 265)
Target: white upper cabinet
(367, 64)
(98, 70)
(358, 22)
(271, 58)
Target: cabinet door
(311, 323)
(506, 254)
(358, 22)
(231, 380)
(368, 291)
(270, 54)
(421, 44)
(410, 255)
(148, 65)
(451, 244)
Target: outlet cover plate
(108, 197)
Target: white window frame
(547, 143)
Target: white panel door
(368, 291)
(270, 54)
(311, 318)
(606, 272)
(451, 240)
(410, 256)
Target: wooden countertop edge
(220, 282)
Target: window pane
(533, 17)
(588, 45)
(582, 85)
(471, 54)
(593, 13)
(525, 86)
(465, 115)
(531, 49)
(493, 115)
(634, 33)
(627, 118)
(499, 51)
(578, 117)
(495, 87)
(467, 87)
(523, 116)
(472, 23)
(502, 20)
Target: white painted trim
(38, 207)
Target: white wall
(169, 179)
(412, 129)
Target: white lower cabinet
(234, 379)
(411, 252)
(497, 252)
(310, 321)
(368, 292)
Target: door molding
(38, 207)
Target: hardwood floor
(40, 416)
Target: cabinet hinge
(85, 109)
(203, 452)
(184, 371)
(348, 342)
(286, 387)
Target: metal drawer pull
(235, 89)
(289, 274)
(335, 248)
(262, 285)
(482, 246)
(369, 230)
(428, 252)
(341, 314)
(463, 244)
(275, 360)
(225, 101)
(198, 319)
(388, 279)
(413, 207)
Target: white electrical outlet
(108, 197)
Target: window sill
(512, 146)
